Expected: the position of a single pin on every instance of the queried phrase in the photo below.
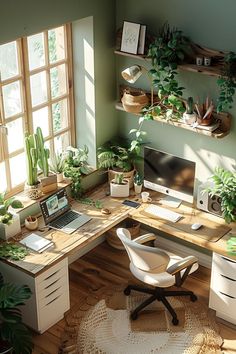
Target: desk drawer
(50, 276)
(224, 284)
(224, 265)
(223, 303)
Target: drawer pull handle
(51, 284)
(53, 292)
(51, 275)
(228, 260)
(53, 300)
(232, 297)
(224, 276)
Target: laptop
(58, 214)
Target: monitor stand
(170, 201)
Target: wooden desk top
(66, 245)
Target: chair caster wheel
(134, 316)
(175, 321)
(127, 291)
(193, 298)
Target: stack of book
(37, 243)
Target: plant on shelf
(224, 186)
(75, 166)
(227, 83)
(9, 221)
(56, 165)
(204, 112)
(14, 335)
(168, 49)
(189, 115)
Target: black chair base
(158, 294)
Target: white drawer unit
(223, 287)
(50, 294)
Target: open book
(36, 243)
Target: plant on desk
(14, 335)
(138, 183)
(119, 186)
(9, 221)
(224, 186)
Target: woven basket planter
(112, 238)
(134, 101)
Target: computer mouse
(196, 226)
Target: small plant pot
(189, 118)
(33, 192)
(119, 190)
(31, 223)
(206, 121)
(60, 177)
(138, 188)
(49, 184)
(14, 228)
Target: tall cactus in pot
(43, 153)
(31, 159)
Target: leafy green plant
(227, 83)
(13, 333)
(224, 186)
(88, 201)
(12, 251)
(5, 215)
(76, 165)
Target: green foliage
(88, 201)
(57, 163)
(43, 153)
(227, 83)
(190, 106)
(12, 251)
(31, 153)
(12, 330)
(5, 215)
(138, 179)
(225, 187)
(119, 178)
(75, 166)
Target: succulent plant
(5, 215)
(189, 106)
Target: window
(35, 90)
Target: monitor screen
(169, 174)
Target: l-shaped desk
(47, 273)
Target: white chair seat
(162, 279)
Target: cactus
(119, 177)
(189, 105)
(43, 153)
(31, 159)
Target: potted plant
(56, 165)
(117, 156)
(204, 112)
(189, 116)
(138, 183)
(9, 221)
(224, 186)
(75, 166)
(119, 186)
(14, 335)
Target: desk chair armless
(158, 268)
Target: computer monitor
(169, 174)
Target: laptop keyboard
(65, 219)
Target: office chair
(158, 268)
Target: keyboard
(65, 219)
(159, 212)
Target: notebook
(36, 243)
(58, 214)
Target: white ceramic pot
(189, 118)
(119, 190)
(138, 188)
(60, 177)
(7, 231)
(31, 224)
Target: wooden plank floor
(104, 266)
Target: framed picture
(130, 37)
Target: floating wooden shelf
(219, 133)
(214, 70)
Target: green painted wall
(210, 23)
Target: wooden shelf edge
(218, 133)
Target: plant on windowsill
(56, 165)
(14, 335)
(119, 186)
(9, 221)
(118, 156)
(224, 186)
(75, 166)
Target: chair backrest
(143, 257)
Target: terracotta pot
(206, 121)
(134, 101)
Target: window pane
(15, 135)
(18, 170)
(59, 115)
(38, 85)
(56, 44)
(40, 119)
(8, 60)
(36, 51)
(61, 142)
(58, 81)
(3, 180)
(12, 99)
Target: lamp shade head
(132, 73)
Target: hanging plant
(227, 83)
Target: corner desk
(47, 273)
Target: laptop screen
(54, 206)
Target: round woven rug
(102, 325)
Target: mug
(199, 60)
(207, 61)
(145, 197)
